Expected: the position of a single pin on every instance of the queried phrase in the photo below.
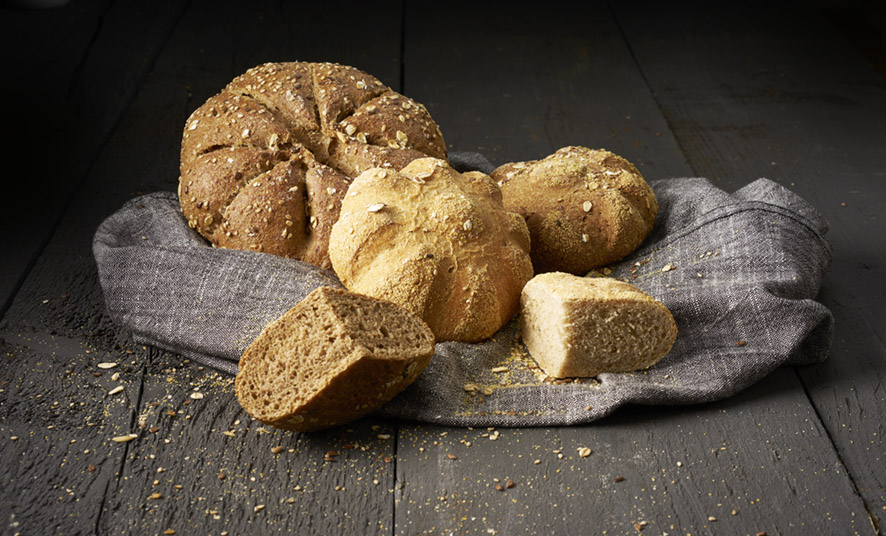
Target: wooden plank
(71, 80)
(61, 296)
(779, 92)
(71, 72)
(203, 465)
(520, 94)
(522, 84)
(756, 462)
(59, 415)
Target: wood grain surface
(732, 94)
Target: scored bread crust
(266, 162)
(334, 357)
(584, 208)
(581, 326)
(437, 242)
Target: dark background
(95, 95)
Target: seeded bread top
(265, 163)
(437, 242)
(585, 208)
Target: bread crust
(266, 162)
(584, 208)
(334, 357)
(437, 242)
(582, 326)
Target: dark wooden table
(95, 96)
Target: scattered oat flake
(500, 369)
(106, 365)
(467, 225)
(169, 532)
(229, 433)
(258, 508)
(277, 450)
(124, 438)
(375, 207)
(384, 436)
(712, 518)
(156, 496)
(470, 387)
(196, 396)
(584, 452)
(452, 456)
(587, 206)
(668, 267)
(115, 390)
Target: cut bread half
(582, 326)
(334, 357)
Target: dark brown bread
(585, 208)
(582, 326)
(334, 357)
(437, 242)
(266, 162)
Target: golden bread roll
(585, 208)
(437, 242)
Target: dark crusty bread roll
(334, 357)
(266, 162)
(582, 326)
(437, 242)
(585, 208)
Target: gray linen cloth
(738, 271)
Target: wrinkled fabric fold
(740, 273)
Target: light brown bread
(582, 326)
(585, 208)
(334, 357)
(266, 162)
(436, 242)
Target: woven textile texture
(739, 272)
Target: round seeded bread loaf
(437, 242)
(585, 208)
(266, 162)
(582, 326)
(334, 357)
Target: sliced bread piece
(334, 357)
(582, 326)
